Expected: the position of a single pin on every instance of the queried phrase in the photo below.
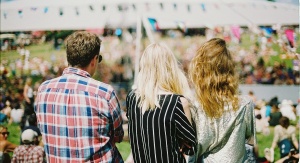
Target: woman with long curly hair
(224, 120)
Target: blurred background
(262, 35)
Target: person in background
(5, 145)
(159, 119)
(285, 137)
(252, 96)
(31, 123)
(7, 112)
(275, 114)
(78, 116)
(225, 121)
(28, 96)
(293, 157)
(287, 109)
(29, 151)
(17, 108)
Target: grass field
(14, 137)
(124, 147)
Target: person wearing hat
(29, 151)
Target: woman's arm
(276, 137)
(250, 120)
(294, 140)
(186, 134)
(9, 147)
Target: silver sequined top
(223, 139)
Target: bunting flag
(118, 32)
(91, 8)
(77, 11)
(267, 31)
(33, 8)
(181, 26)
(289, 33)
(20, 12)
(188, 8)
(61, 12)
(4, 15)
(153, 24)
(203, 7)
(236, 31)
(45, 10)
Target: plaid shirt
(79, 118)
(28, 154)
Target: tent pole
(137, 49)
(148, 29)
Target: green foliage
(15, 132)
(265, 141)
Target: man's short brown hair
(81, 48)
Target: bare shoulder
(186, 108)
(185, 102)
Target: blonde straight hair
(159, 70)
(212, 71)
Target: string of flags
(181, 25)
(154, 24)
(203, 7)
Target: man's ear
(94, 61)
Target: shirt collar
(76, 71)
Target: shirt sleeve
(41, 155)
(185, 132)
(115, 110)
(250, 130)
(14, 157)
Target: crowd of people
(81, 119)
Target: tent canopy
(28, 15)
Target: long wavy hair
(212, 72)
(159, 70)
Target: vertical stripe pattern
(157, 135)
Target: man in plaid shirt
(29, 151)
(79, 117)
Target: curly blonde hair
(212, 71)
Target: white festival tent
(29, 15)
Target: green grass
(15, 132)
(263, 141)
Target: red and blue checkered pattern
(79, 118)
